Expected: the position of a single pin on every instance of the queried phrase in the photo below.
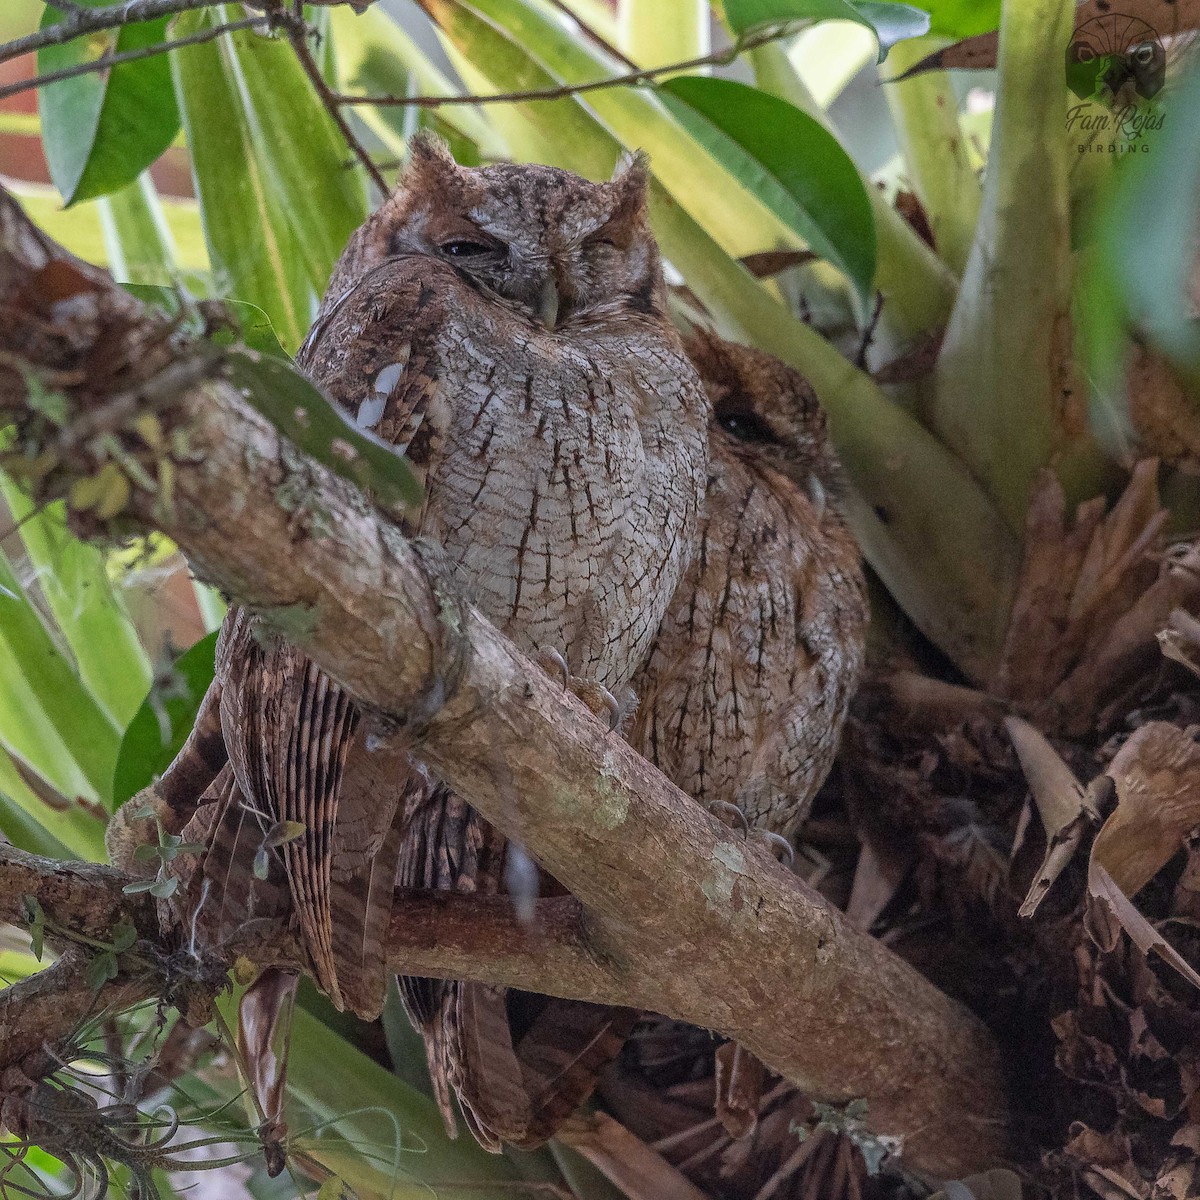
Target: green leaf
(123, 937)
(794, 164)
(312, 174)
(139, 886)
(102, 129)
(890, 22)
(144, 755)
(33, 825)
(100, 970)
(319, 428)
(47, 716)
(164, 888)
(141, 248)
(89, 612)
(252, 241)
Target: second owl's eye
(745, 426)
(462, 248)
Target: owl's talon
(609, 701)
(553, 663)
(777, 842)
(721, 809)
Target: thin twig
(300, 45)
(113, 60)
(720, 58)
(88, 20)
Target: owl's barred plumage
(506, 329)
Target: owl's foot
(775, 842)
(598, 699)
(730, 814)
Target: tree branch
(81, 21)
(688, 918)
(719, 58)
(107, 61)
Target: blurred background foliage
(980, 281)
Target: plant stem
(925, 114)
(1005, 394)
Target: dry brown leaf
(1091, 597)
(1180, 641)
(1166, 17)
(1068, 809)
(1157, 775)
(640, 1172)
(739, 1088)
(264, 1023)
(1110, 911)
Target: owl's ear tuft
(428, 155)
(631, 183)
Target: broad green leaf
(312, 174)
(140, 246)
(375, 56)
(1006, 364)
(32, 824)
(654, 33)
(375, 1117)
(318, 427)
(1154, 212)
(102, 129)
(80, 230)
(170, 710)
(791, 161)
(890, 22)
(252, 241)
(47, 715)
(963, 18)
(73, 579)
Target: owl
(743, 694)
(741, 699)
(505, 329)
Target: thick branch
(683, 916)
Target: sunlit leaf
(890, 22)
(102, 129)
(311, 175)
(47, 715)
(73, 579)
(251, 238)
(793, 163)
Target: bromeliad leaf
(304, 416)
(791, 161)
(890, 22)
(102, 129)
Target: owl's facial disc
(560, 248)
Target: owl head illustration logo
(1116, 59)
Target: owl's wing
(515, 1085)
(375, 352)
(298, 758)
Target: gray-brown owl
(744, 693)
(742, 697)
(741, 702)
(505, 328)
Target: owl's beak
(547, 303)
